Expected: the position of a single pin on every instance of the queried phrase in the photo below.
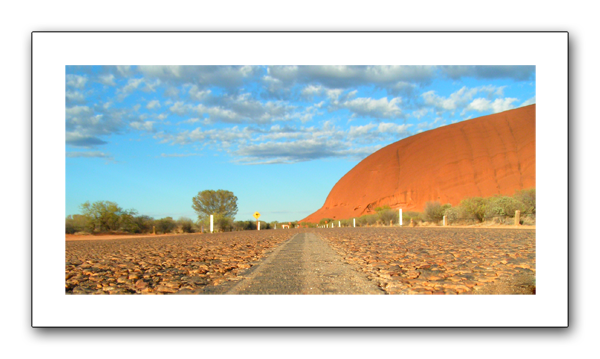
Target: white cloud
(312, 90)
(517, 73)
(90, 154)
(132, 85)
(230, 77)
(74, 97)
(197, 94)
(150, 86)
(368, 107)
(498, 105)
(191, 120)
(77, 139)
(142, 125)
(347, 76)
(124, 70)
(503, 104)
(78, 111)
(420, 112)
(180, 108)
(179, 155)
(153, 104)
(108, 80)
(244, 109)
(528, 102)
(463, 98)
(76, 81)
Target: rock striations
(483, 157)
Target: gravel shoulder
(389, 260)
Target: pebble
(449, 260)
(182, 264)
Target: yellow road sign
(256, 215)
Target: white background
(19, 20)
(51, 51)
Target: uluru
(481, 157)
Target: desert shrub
(242, 225)
(224, 224)
(144, 223)
(527, 198)
(127, 222)
(387, 215)
(325, 221)
(371, 219)
(382, 208)
(434, 211)
(165, 225)
(76, 223)
(361, 221)
(408, 215)
(185, 225)
(475, 207)
(502, 206)
(454, 214)
(528, 219)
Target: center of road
(305, 264)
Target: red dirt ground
(482, 157)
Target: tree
(220, 202)
(166, 225)
(105, 215)
(144, 223)
(76, 223)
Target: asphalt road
(305, 264)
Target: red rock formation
(483, 157)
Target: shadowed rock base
(304, 265)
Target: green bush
(454, 214)
(185, 225)
(144, 223)
(434, 211)
(527, 198)
(222, 223)
(387, 215)
(165, 225)
(475, 207)
(76, 223)
(503, 206)
(408, 215)
(324, 221)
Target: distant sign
(256, 215)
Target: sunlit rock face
(482, 157)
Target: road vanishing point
(305, 264)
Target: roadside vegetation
(109, 217)
(473, 210)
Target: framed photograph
(300, 179)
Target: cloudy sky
(279, 137)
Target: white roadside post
(211, 223)
(400, 217)
(444, 221)
(339, 224)
(257, 215)
(354, 222)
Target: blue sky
(279, 137)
